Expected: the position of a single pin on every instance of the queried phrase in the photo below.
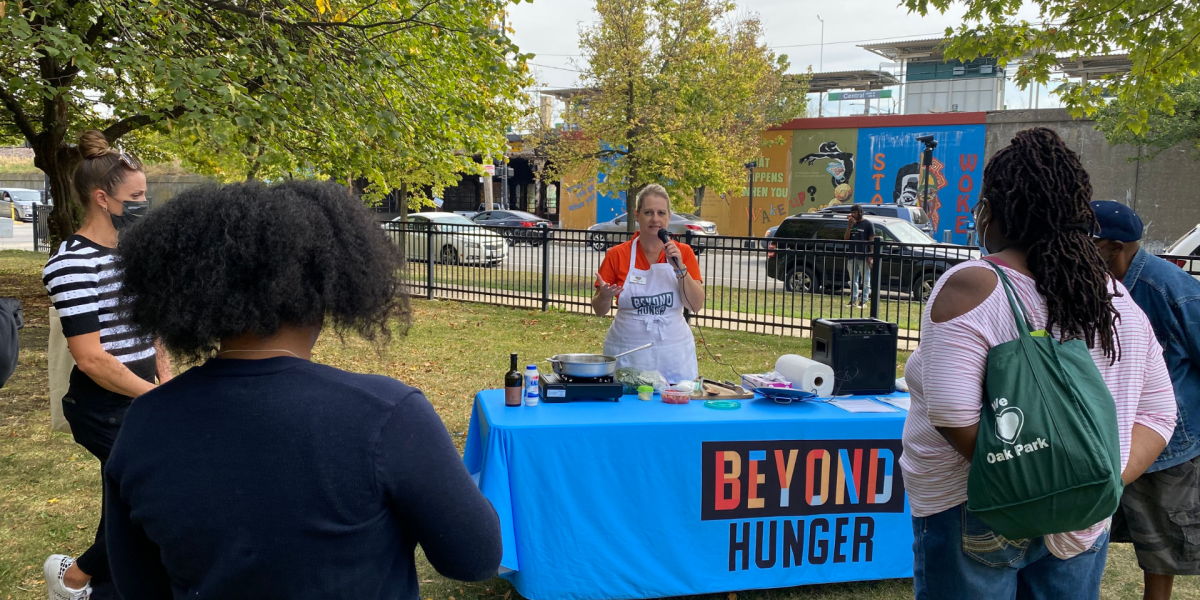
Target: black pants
(95, 417)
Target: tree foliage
(389, 91)
(677, 93)
(1163, 130)
(1160, 36)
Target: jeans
(858, 268)
(95, 420)
(956, 556)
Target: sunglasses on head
(127, 160)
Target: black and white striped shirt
(84, 286)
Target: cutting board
(713, 391)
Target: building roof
(566, 94)
(851, 80)
(907, 49)
(1086, 67)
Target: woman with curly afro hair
(260, 474)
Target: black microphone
(662, 235)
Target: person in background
(1035, 224)
(651, 292)
(115, 361)
(260, 473)
(1160, 511)
(859, 230)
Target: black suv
(507, 222)
(809, 254)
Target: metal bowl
(583, 365)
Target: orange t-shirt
(615, 267)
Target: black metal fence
(41, 228)
(776, 286)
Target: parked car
(456, 239)
(766, 241)
(18, 202)
(1188, 245)
(809, 255)
(913, 214)
(681, 224)
(514, 225)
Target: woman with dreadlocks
(1035, 222)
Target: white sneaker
(54, 569)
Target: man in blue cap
(1160, 511)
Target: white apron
(650, 309)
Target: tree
(678, 93)
(327, 88)
(1163, 130)
(1159, 35)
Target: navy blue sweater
(280, 478)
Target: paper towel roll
(806, 374)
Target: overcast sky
(550, 29)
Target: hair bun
(93, 144)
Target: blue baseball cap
(1116, 222)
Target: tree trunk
(58, 162)
(403, 218)
(631, 191)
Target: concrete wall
(1165, 191)
(159, 188)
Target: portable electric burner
(560, 388)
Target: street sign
(867, 95)
(491, 169)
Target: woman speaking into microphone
(653, 279)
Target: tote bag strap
(1021, 315)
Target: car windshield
(520, 214)
(907, 234)
(685, 217)
(26, 196)
(453, 220)
(1176, 249)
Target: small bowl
(680, 393)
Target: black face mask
(131, 212)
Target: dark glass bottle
(514, 384)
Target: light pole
(821, 67)
(750, 214)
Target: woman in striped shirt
(1035, 222)
(114, 363)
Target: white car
(18, 203)
(455, 239)
(1189, 246)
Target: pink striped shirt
(945, 377)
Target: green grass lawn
(49, 486)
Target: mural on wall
(608, 205)
(824, 164)
(772, 186)
(578, 209)
(889, 171)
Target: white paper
(861, 406)
(897, 401)
(806, 374)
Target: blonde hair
(653, 190)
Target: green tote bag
(1048, 457)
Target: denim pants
(95, 419)
(956, 556)
(858, 269)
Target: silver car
(18, 203)
(681, 225)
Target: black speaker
(861, 352)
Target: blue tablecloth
(645, 499)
